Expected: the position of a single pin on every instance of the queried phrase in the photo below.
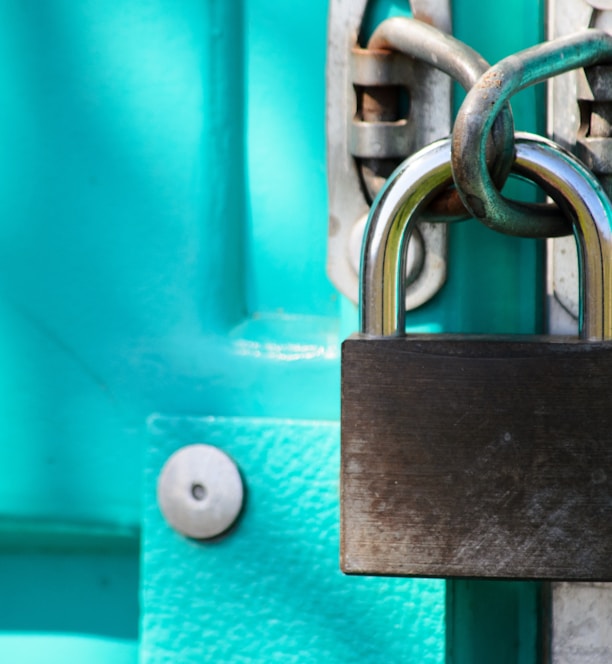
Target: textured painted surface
(125, 243)
(271, 590)
(128, 247)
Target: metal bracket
(368, 135)
(585, 128)
(579, 613)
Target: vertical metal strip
(434, 12)
(347, 204)
(579, 614)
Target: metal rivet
(200, 491)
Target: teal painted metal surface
(493, 621)
(162, 249)
(70, 592)
(272, 590)
(154, 267)
(62, 649)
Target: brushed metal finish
(476, 457)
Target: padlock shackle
(423, 175)
(392, 217)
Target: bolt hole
(198, 491)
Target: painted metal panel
(162, 249)
(55, 649)
(271, 590)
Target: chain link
(477, 115)
(425, 173)
(483, 135)
(464, 65)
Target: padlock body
(476, 457)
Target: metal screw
(200, 491)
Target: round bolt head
(200, 491)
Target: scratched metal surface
(272, 590)
(509, 479)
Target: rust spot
(490, 80)
(447, 204)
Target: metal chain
(483, 135)
(451, 56)
(478, 114)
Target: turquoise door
(162, 272)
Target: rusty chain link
(477, 116)
(483, 135)
(464, 65)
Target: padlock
(478, 456)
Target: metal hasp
(501, 481)
(584, 128)
(579, 614)
(368, 134)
